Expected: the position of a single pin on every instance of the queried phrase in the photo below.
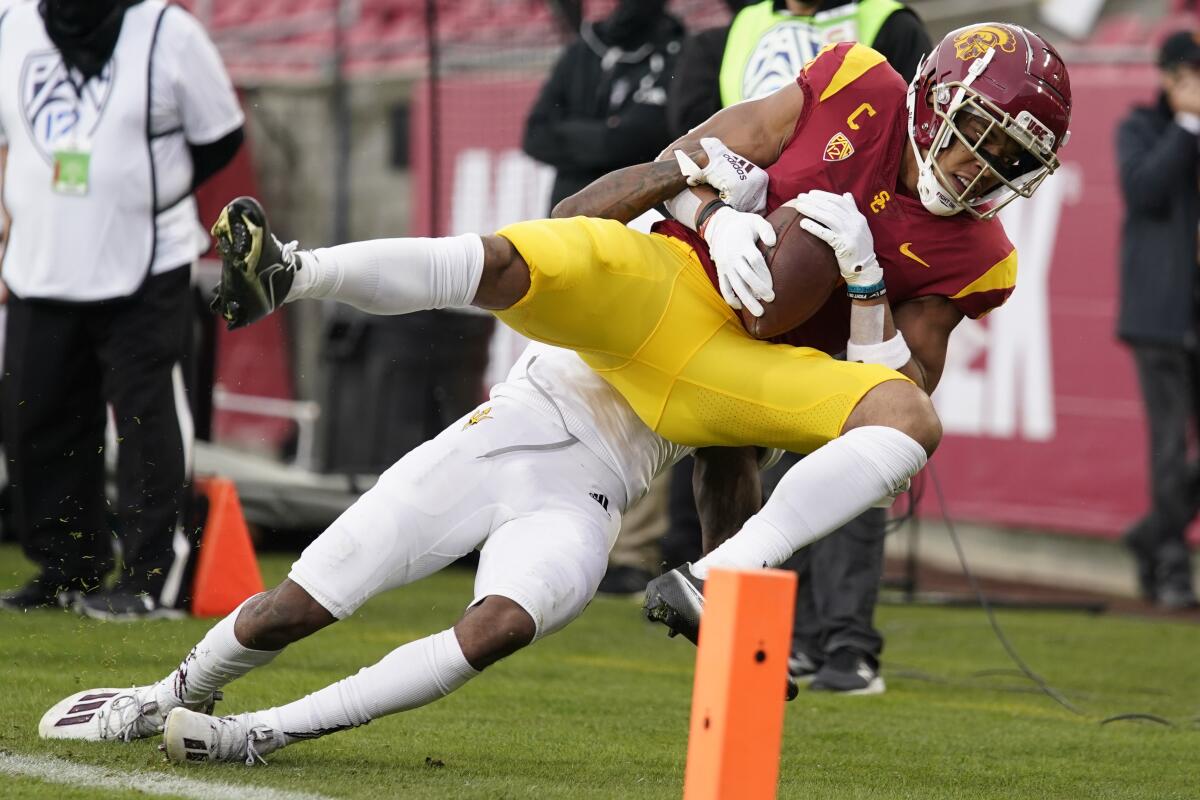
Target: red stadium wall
(1039, 400)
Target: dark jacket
(592, 117)
(1157, 160)
(696, 93)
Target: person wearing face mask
(111, 113)
(1159, 166)
(604, 105)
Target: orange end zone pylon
(226, 569)
(741, 681)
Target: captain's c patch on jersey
(838, 148)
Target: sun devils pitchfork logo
(975, 42)
(56, 107)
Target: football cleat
(192, 737)
(100, 715)
(256, 269)
(676, 599)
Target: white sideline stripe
(59, 770)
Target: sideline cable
(1025, 669)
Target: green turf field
(600, 710)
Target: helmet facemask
(955, 102)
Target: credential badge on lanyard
(72, 160)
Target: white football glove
(742, 273)
(739, 182)
(837, 220)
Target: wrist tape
(893, 353)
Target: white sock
(825, 490)
(409, 677)
(218, 659)
(393, 276)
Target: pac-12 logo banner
(57, 105)
(973, 43)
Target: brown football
(804, 271)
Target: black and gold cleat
(256, 270)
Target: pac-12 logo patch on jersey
(839, 148)
(57, 108)
(972, 44)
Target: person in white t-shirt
(111, 113)
(536, 479)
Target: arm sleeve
(903, 41)
(544, 139)
(695, 93)
(208, 106)
(1150, 162)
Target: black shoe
(624, 580)
(120, 605)
(36, 594)
(256, 270)
(802, 667)
(848, 672)
(676, 599)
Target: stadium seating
(294, 38)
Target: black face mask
(632, 22)
(84, 31)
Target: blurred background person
(111, 113)
(604, 107)
(835, 644)
(768, 42)
(1157, 155)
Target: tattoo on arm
(626, 193)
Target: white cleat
(192, 737)
(100, 715)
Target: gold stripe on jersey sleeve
(1002, 275)
(858, 60)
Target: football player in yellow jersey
(641, 311)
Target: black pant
(64, 363)
(1170, 381)
(839, 574)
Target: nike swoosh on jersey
(906, 250)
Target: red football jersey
(849, 138)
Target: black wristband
(710, 208)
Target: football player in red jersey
(988, 113)
(928, 166)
